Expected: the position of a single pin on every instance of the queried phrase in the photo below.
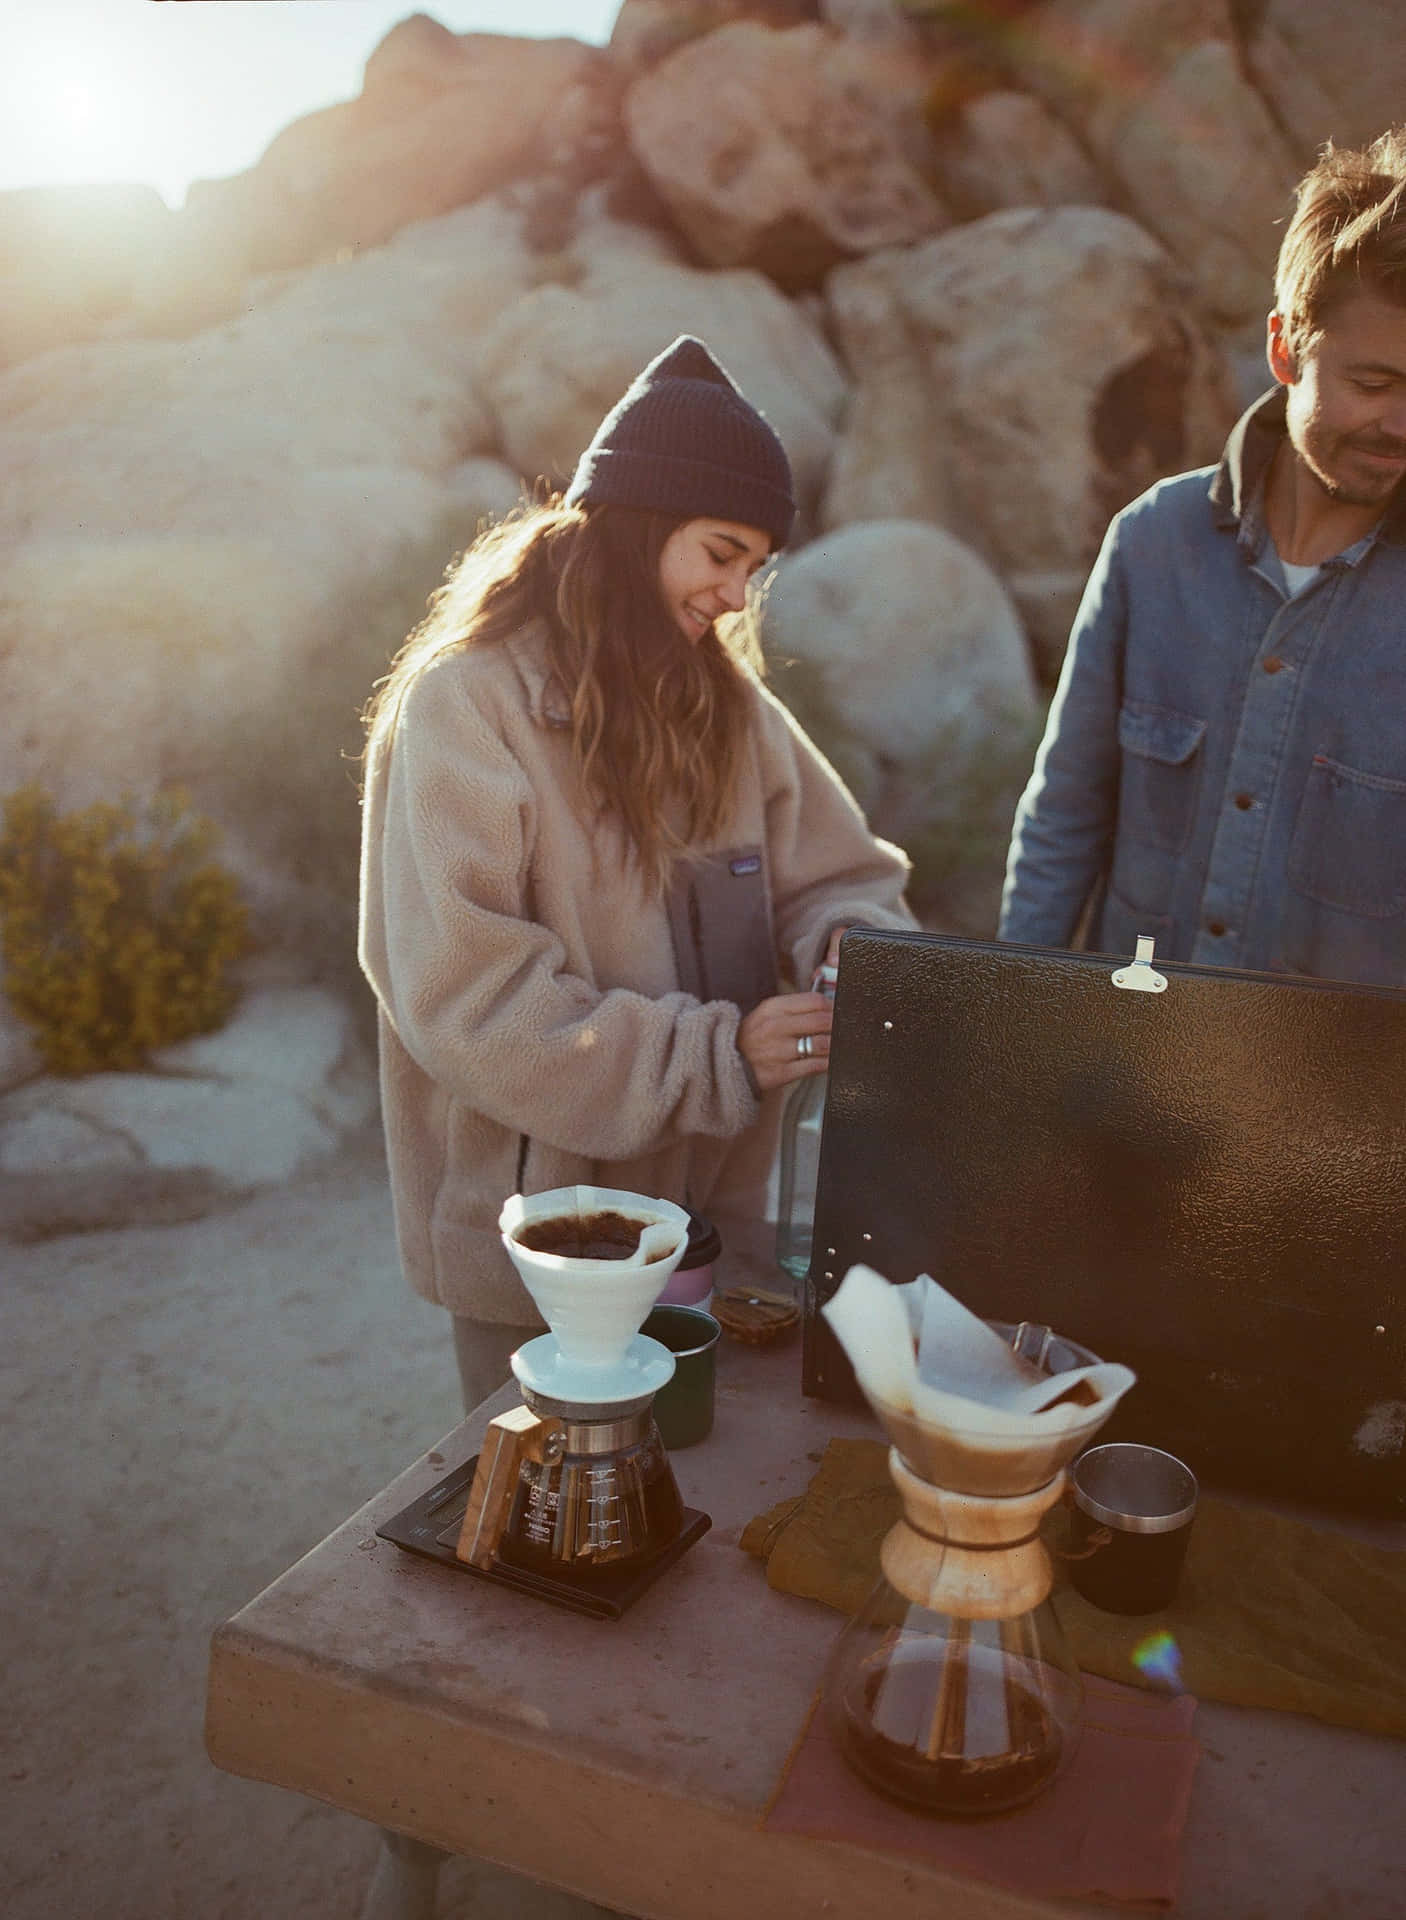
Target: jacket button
(1273, 663)
(1217, 927)
(1244, 801)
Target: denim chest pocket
(1349, 845)
(1161, 774)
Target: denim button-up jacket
(1224, 766)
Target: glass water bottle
(802, 1119)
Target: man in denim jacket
(1224, 765)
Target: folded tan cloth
(1270, 1612)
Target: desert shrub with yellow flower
(119, 927)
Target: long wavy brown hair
(657, 720)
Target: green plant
(118, 926)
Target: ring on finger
(805, 1046)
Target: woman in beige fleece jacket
(592, 844)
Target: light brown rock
(1019, 379)
(901, 653)
(1330, 72)
(1155, 90)
(563, 354)
(1006, 149)
(224, 540)
(444, 120)
(277, 1088)
(883, 23)
(471, 112)
(409, 66)
(647, 31)
(785, 151)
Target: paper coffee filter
(917, 1350)
(668, 1229)
(872, 1322)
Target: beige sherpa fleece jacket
(533, 1024)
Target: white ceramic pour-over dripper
(595, 1351)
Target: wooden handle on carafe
(512, 1437)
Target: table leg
(405, 1881)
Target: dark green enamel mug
(683, 1406)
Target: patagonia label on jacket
(720, 917)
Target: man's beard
(1345, 492)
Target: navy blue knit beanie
(683, 440)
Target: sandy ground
(188, 1408)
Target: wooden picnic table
(631, 1761)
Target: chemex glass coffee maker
(573, 1492)
(953, 1689)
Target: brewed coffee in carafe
(953, 1688)
(605, 1497)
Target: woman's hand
(769, 1035)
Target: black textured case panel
(1208, 1183)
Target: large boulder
(224, 540)
(277, 1089)
(1006, 149)
(1156, 91)
(901, 653)
(1328, 73)
(443, 120)
(560, 356)
(784, 150)
(647, 31)
(1018, 380)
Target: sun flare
(97, 92)
(91, 112)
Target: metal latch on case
(1141, 976)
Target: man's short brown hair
(1348, 234)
